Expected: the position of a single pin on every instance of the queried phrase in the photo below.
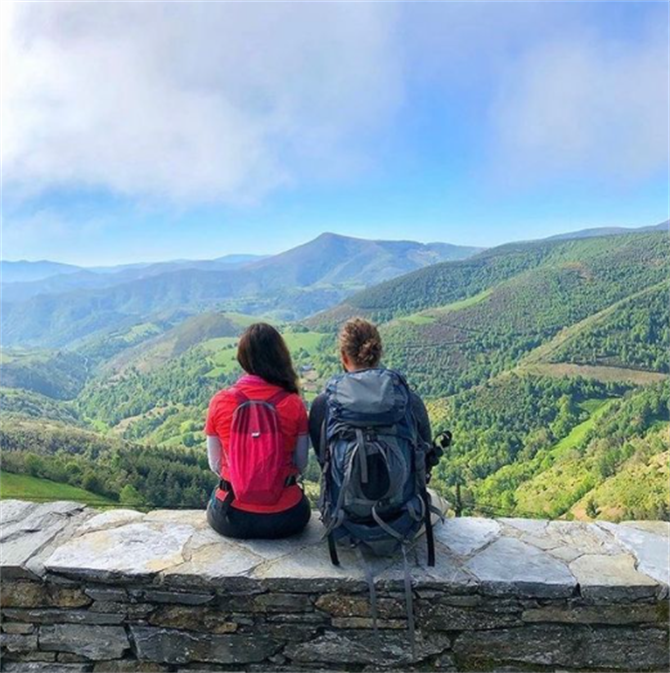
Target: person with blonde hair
(372, 438)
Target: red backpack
(258, 467)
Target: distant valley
(549, 360)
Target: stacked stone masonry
(120, 590)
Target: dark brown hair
(262, 351)
(361, 343)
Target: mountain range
(611, 231)
(61, 309)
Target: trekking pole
(458, 505)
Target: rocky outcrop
(127, 591)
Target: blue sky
(143, 131)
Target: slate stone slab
(39, 667)
(129, 666)
(181, 647)
(359, 647)
(29, 530)
(272, 549)
(54, 616)
(611, 578)
(310, 569)
(18, 642)
(179, 597)
(107, 594)
(466, 535)
(565, 646)
(509, 566)
(636, 613)
(17, 628)
(110, 519)
(651, 550)
(358, 605)
(23, 594)
(661, 528)
(92, 642)
(447, 573)
(11, 510)
(132, 551)
(208, 560)
(193, 619)
(437, 616)
(22, 519)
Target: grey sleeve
(301, 453)
(317, 414)
(422, 420)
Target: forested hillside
(548, 361)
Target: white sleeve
(214, 449)
(301, 453)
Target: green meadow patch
(25, 487)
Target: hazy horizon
(243, 253)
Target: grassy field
(596, 408)
(598, 373)
(308, 341)
(430, 315)
(25, 487)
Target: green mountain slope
(60, 374)
(534, 446)
(449, 282)
(478, 318)
(15, 402)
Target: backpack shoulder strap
(239, 396)
(278, 397)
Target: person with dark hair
(257, 443)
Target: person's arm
(317, 415)
(301, 453)
(214, 450)
(421, 416)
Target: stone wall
(126, 591)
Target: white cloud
(199, 102)
(195, 102)
(585, 105)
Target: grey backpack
(373, 487)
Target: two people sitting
(370, 432)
